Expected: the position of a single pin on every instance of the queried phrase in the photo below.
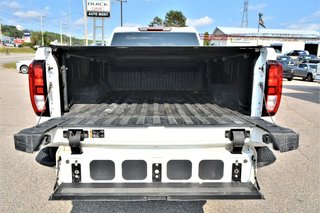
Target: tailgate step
(155, 191)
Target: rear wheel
(24, 69)
(309, 78)
(289, 79)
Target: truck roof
(139, 29)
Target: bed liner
(152, 108)
(145, 108)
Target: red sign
(18, 41)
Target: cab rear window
(155, 39)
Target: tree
(157, 21)
(36, 39)
(206, 41)
(175, 19)
(11, 31)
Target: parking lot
(291, 184)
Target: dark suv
(308, 59)
(287, 66)
(297, 53)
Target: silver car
(306, 71)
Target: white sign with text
(98, 8)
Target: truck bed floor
(153, 108)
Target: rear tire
(309, 78)
(24, 69)
(289, 79)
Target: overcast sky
(204, 15)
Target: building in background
(26, 36)
(281, 39)
(7, 41)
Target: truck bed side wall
(225, 74)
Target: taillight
(37, 87)
(273, 89)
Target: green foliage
(27, 44)
(65, 39)
(11, 31)
(175, 18)
(11, 65)
(48, 37)
(206, 40)
(36, 39)
(157, 21)
(17, 50)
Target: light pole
(121, 10)
(42, 42)
(85, 22)
(0, 35)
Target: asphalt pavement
(14, 57)
(291, 184)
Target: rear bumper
(287, 75)
(155, 191)
(29, 140)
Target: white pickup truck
(155, 116)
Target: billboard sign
(98, 8)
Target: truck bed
(153, 108)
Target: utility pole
(60, 32)
(244, 21)
(65, 34)
(70, 42)
(121, 1)
(95, 27)
(85, 21)
(42, 42)
(94, 30)
(1, 35)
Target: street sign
(98, 8)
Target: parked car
(306, 71)
(278, 52)
(8, 44)
(294, 54)
(18, 45)
(318, 73)
(287, 66)
(297, 53)
(23, 66)
(308, 59)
